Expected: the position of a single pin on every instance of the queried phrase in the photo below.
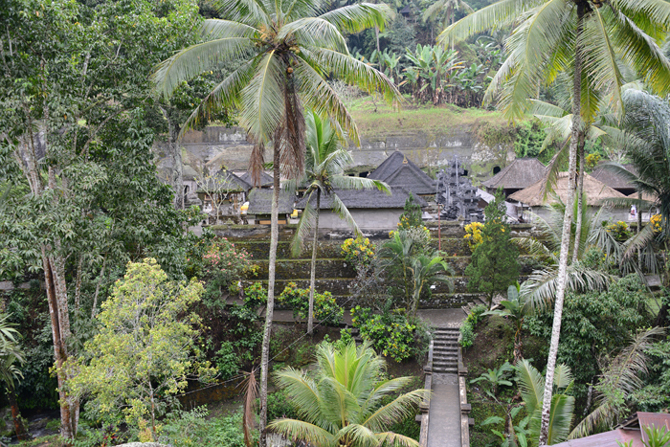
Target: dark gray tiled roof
(266, 179)
(398, 170)
(260, 201)
(365, 199)
(519, 174)
(225, 180)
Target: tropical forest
(334, 223)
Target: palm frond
(560, 419)
(250, 12)
(395, 411)
(540, 287)
(303, 392)
(219, 29)
(319, 96)
(315, 31)
(531, 385)
(642, 52)
(192, 61)
(495, 16)
(262, 102)
(544, 108)
(305, 226)
(600, 58)
(358, 183)
(341, 210)
(622, 375)
(394, 439)
(301, 431)
(358, 17)
(355, 72)
(563, 377)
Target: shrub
(473, 234)
(326, 309)
(468, 334)
(255, 296)
(655, 220)
(359, 252)
(194, 429)
(620, 231)
(227, 361)
(392, 333)
(411, 216)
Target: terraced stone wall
(334, 274)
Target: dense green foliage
(494, 262)
(143, 353)
(326, 309)
(595, 326)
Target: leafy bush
(620, 231)
(468, 334)
(326, 309)
(193, 429)
(411, 216)
(360, 252)
(392, 333)
(279, 406)
(255, 296)
(227, 361)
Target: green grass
(374, 116)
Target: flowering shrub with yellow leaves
(473, 234)
(620, 231)
(360, 252)
(655, 221)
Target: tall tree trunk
(565, 236)
(265, 350)
(177, 172)
(19, 428)
(312, 275)
(580, 199)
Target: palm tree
(516, 308)
(286, 50)
(553, 36)
(427, 270)
(539, 290)
(11, 354)
(562, 405)
(324, 174)
(341, 404)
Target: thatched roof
(224, 180)
(595, 192)
(365, 199)
(614, 179)
(260, 201)
(398, 170)
(645, 196)
(266, 179)
(519, 174)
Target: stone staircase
(445, 351)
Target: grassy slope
(376, 117)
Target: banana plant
(497, 377)
(431, 71)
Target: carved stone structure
(456, 195)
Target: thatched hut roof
(520, 174)
(398, 170)
(260, 201)
(614, 179)
(595, 191)
(266, 179)
(365, 199)
(645, 196)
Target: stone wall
(427, 149)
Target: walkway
(444, 416)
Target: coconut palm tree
(581, 37)
(324, 176)
(341, 404)
(286, 51)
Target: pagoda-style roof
(594, 190)
(520, 174)
(266, 179)
(398, 170)
(365, 199)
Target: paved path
(444, 420)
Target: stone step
(453, 370)
(443, 348)
(451, 342)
